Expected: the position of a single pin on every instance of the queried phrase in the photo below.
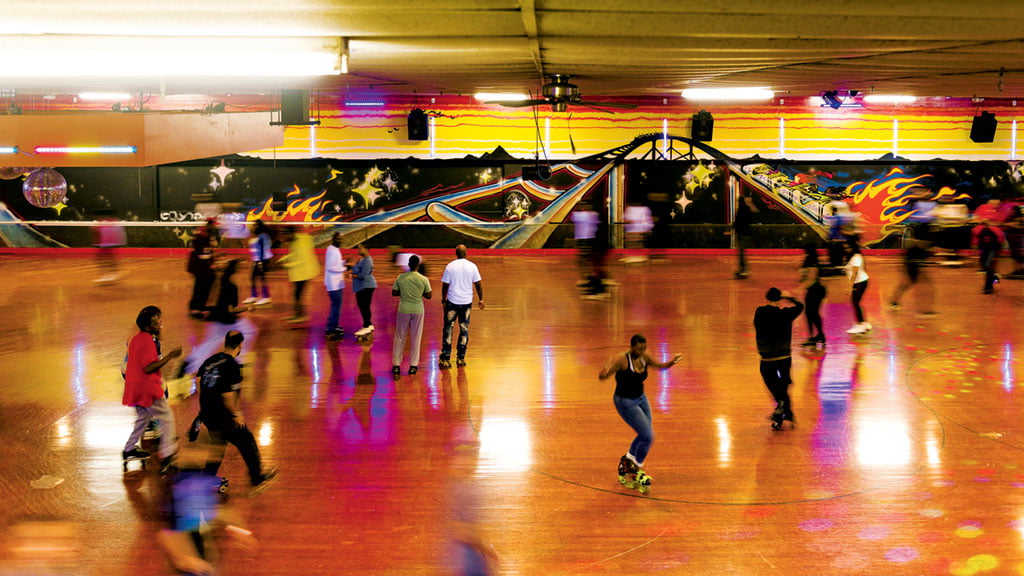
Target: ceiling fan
(560, 93)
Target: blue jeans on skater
(451, 313)
(637, 413)
(335, 312)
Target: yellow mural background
(791, 132)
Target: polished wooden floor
(906, 457)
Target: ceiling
(642, 48)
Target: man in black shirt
(773, 325)
(220, 384)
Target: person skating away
(412, 288)
(302, 266)
(261, 254)
(364, 284)
(915, 258)
(630, 371)
(200, 266)
(773, 328)
(814, 294)
(220, 383)
(858, 277)
(144, 388)
(459, 280)
(225, 316)
(742, 226)
(334, 281)
(988, 238)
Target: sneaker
(444, 363)
(460, 362)
(265, 301)
(249, 300)
(413, 370)
(370, 328)
(397, 370)
(134, 453)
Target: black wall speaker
(294, 107)
(702, 127)
(983, 129)
(419, 127)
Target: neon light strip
(85, 149)
(8, 149)
(366, 104)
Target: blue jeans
(637, 413)
(335, 312)
(451, 312)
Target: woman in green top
(412, 288)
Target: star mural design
(59, 207)
(683, 202)
(222, 172)
(698, 177)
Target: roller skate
(134, 455)
(364, 334)
(444, 363)
(152, 431)
(778, 415)
(631, 476)
(222, 488)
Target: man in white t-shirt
(457, 283)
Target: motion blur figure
(107, 236)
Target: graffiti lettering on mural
(175, 216)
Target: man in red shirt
(144, 387)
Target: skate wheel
(622, 480)
(644, 489)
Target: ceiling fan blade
(520, 103)
(605, 104)
(588, 105)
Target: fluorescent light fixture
(500, 97)
(85, 149)
(8, 149)
(105, 96)
(889, 99)
(46, 55)
(759, 93)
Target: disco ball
(12, 172)
(45, 188)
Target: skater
(364, 284)
(225, 316)
(741, 224)
(814, 294)
(260, 251)
(144, 388)
(200, 266)
(412, 288)
(584, 230)
(859, 281)
(988, 238)
(630, 371)
(457, 283)
(220, 384)
(915, 258)
(334, 281)
(302, 266)
(773, 326)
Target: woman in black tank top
(630, 370)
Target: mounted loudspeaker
(702, 127)
(419, 127)
(294, 107)
(983, 129)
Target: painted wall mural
(487, 203)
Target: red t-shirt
(140, 389)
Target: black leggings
(812, 302)
(777, 379)
(858, 292)
(363, 299)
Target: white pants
(407, 326)
(164, 416)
